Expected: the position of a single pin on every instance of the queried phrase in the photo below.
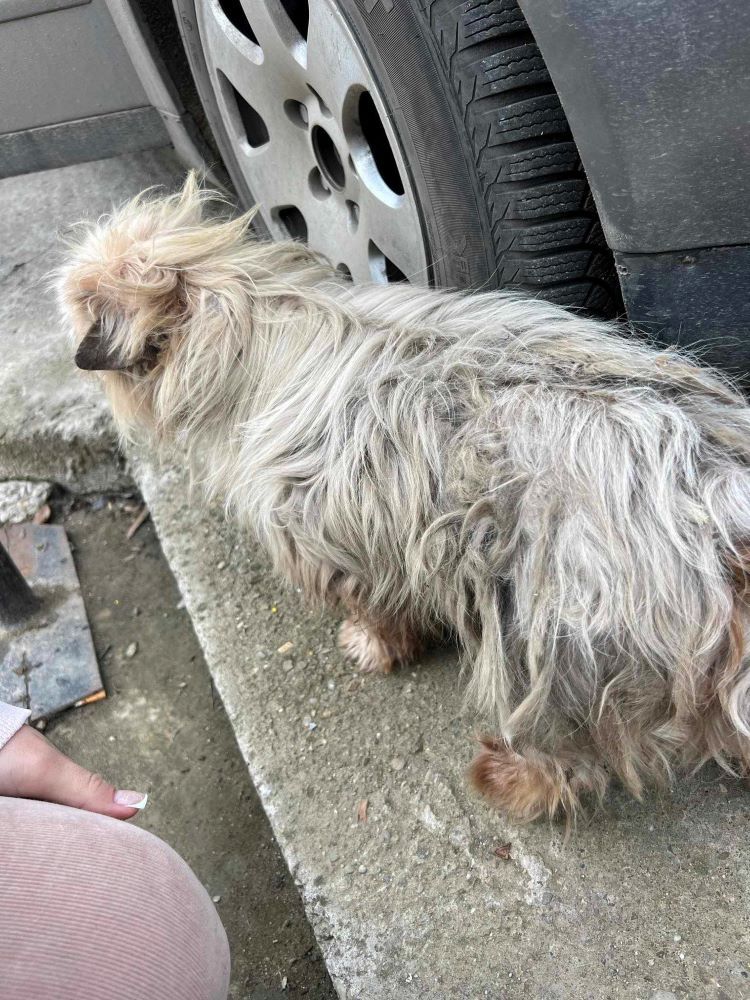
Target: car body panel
(62, 65)
(69, 88)
(657, 93)
(693, 299)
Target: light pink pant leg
(95, 909)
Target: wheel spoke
(240, 60)
(276, 182)
(276, 34)
(332, 68)
(394, 229)
(328, 236)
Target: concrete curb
(645, 901)
(82, 462)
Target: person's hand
(31, 768)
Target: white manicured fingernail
(136, 800)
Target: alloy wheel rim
(311, 134)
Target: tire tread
(542, 217)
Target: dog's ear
(94, 353)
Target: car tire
(502, 196)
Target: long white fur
(573, 504)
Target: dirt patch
(163, 730)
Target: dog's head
(123, 286)
(139, 283)
(162, 298)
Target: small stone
(398, 763)
(20, 500)
(287, 665)
(136, 611)
(131, 650)
(216, 899)
(285, 647)
(182, 684)
(284, 982)
(677, 938)
(41, 725)
(333, 856)
(221, 565)
(362, 869)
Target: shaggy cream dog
(573, 506)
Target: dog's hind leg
(378, 646)
(529, 784)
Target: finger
(30, 767)
(72, 785)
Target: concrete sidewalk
(406, 894)
(646, 901)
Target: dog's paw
(534, 784)
(372, 653)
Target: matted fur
(573, 505)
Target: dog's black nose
(94, 354)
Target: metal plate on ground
(48, 663)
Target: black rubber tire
(503, 197)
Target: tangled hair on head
(572, 504)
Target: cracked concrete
(645, 901)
